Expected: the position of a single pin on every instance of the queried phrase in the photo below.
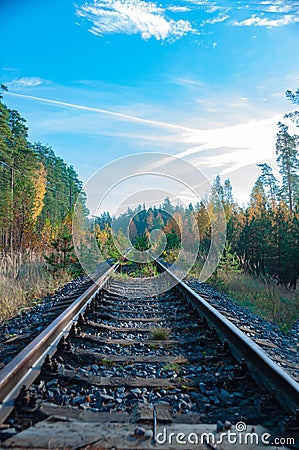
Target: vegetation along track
(121, 368)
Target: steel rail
(24, 368)
(262, 368)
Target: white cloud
(278, 94)
(119, 115)
(132, 17)
(209, 6)
(218, 19)
(246, 143)
(256, 21)
(279, 9)
(178, 8)
(280, 6)
(27, 82)
(9, 69)
(188, 82)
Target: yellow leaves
(258, 201)
(47, 234)
(39, 185)
(102, 235)
(175, 224)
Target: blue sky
(201, 79)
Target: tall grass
(23, 280)
(260, 294)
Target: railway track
(45, 313)
(278, 345)
(120, 368)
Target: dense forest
(38, 189)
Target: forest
(39, 190)
(38, 193)
(262, 238)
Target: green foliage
(109, 242)
(144, 270)
(172, 366)
(142, 243)
(38, 189)
(173, 241)
(294, 98)
(269, 183)
(288, 162)
(63, 185)
(229, 260)
(62, 259)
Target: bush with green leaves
(62, 258)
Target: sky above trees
(204, 80)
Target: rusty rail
(24, 368)
(265, 372)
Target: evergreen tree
(287, 160)
(217, 193)
(294, 98)
(259, 226)
(269, 182)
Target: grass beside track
(261, 295)
(23, 281)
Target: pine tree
(258, 228)
(229, 260)
(62, 258)
(217, 193)
(294, 98)
(269, 182)
(288, 162)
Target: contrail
(122, 116)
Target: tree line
(38, 189)
(264, 236)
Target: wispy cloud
(257, 21)
(178, 8)
(208, 5)
(26, 82)
(188, 82)
(280, 6)
(217, 19)
(119, 115)
(9, 69)
(132, 17)
(274, 13)
(152, 20)
(243, 143)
